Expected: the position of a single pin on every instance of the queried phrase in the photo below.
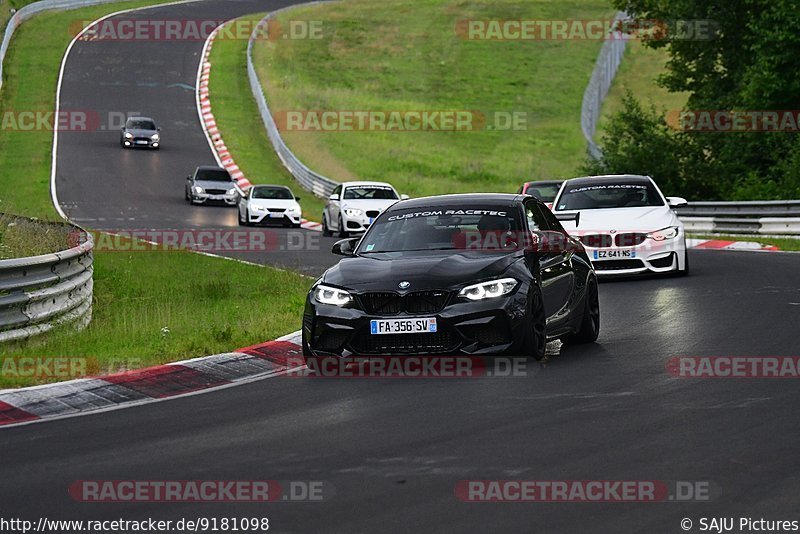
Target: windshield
(276, 193)
(544, 192)
(376, 192)
(140, 125)
(214, 175)
(440, 228)
(609, 195)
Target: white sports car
(625, 223)
(265, 204)
(352, 206)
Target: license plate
(601, 254)
(276, 215)
(403, 326)
(371, 219)
(141, 142)
(215, 197)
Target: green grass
(638, 72)
(22, 237)
(209, 305)
(783, 243)
(238, 119)
(389, 55)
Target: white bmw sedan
(352, 206)
(269, 204)
(625, 223)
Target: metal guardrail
(33, 9)
(752, 217)
(605, 69)
(41, 292)
(319, 185)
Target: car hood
(212, 184)
(368, 204)
(141, 133)
(274, 203)
(423, 269)
(641, 219)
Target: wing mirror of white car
(569, 217)
(676, 202)
(404, 197)
(297, 199)
(333, 197)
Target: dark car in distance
(477, 274)
(140, 132)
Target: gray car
(140, 132)
(210, 184)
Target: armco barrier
(41, 292)
(316, 183)
(605, 69)
(766, 217)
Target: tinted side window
(552, 221)
(536, 222)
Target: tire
(685, 271)
(342, 232)
(590, 319)
(186, 196)
(535, 342)
(326, 232)
(239, 216)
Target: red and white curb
(209, 122)
(720, 244)
(153, 384)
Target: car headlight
(487, 290)
(128, 135)
(155, 137)
(352, 212)
(258, 208)
(198, 189)
(331, 295)
(232, 190)
(670, 232)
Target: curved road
(393, 450)
(102, 186)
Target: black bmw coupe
(477, 274)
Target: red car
(544, 190)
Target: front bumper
(207, 198)
(648, 257)
(357, 224)
(274, 217)
(491, 326)
(140, 142)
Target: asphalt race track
(102, 186)
(393, 450)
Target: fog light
(127, 143)
(155, 145)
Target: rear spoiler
(569, 217)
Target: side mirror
(345, 247)
(297, 198)
(569, 217)
(189, 177)
(158, 129)
(122, 128)
(333, 197)
(676, 202)
(404, 197)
